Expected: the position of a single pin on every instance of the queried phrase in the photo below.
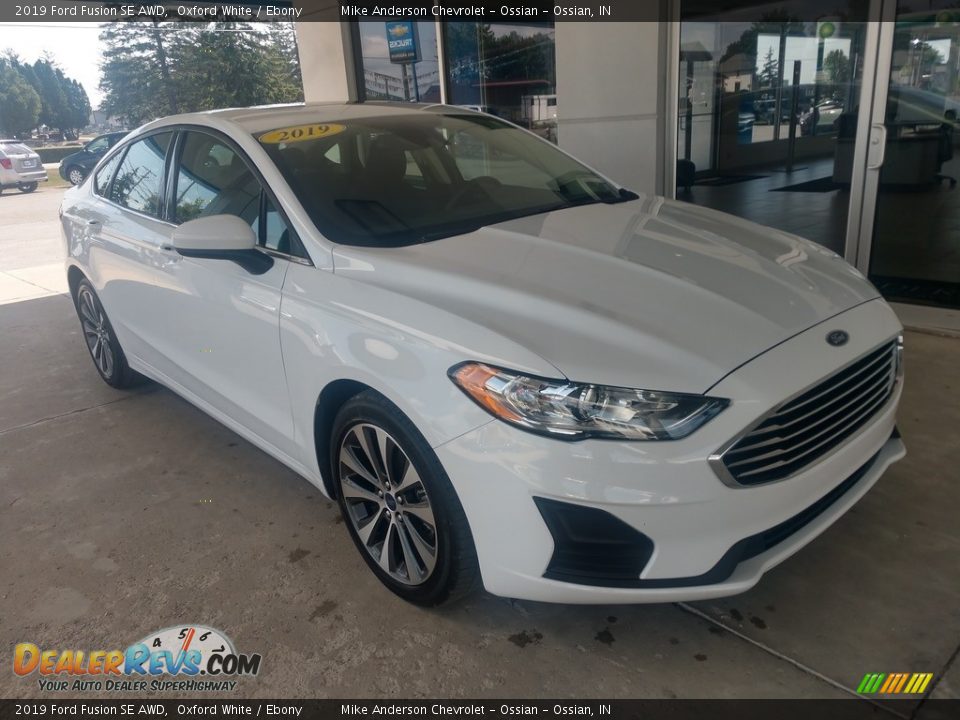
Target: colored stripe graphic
(894, 683)
(915, 681)
(891, 680)
(871, 683)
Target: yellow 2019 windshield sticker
(299, 133)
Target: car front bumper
(707, 538)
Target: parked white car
(20, 167)
(502, 365)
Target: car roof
(269, 117)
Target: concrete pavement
(31, 265)
(126, 512)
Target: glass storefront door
(768, 111)
(844, 130)
(914, 252)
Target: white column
(609, 103)
(326, 61)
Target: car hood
(650, 293)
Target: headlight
(573, 411)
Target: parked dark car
(74, 168)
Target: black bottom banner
(851, 709)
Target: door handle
(94, 223)
(878, 146)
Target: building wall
(610, 98)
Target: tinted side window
(102, 179)
(139, 181)
(99, 145)
(213, 180)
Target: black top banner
(528, 11)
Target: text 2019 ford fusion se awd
(506, 368)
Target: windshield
(401, 179)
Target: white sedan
(505, 368)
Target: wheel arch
(333, 397)
(74, 276)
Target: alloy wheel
(96, 332)
(387, 504)
(75, 176)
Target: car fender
(337, 328)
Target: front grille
(808, 427)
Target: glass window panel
(505, 69)
(388, 73)
(102, 179)
(212, 179)
(139, 181)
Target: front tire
(27, 187)
(399, 505)
(101, 340)
(75, 175)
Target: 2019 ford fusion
(505, 367)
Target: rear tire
(399, 505)
(28, 187)
(101, 340)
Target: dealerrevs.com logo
(201, 658)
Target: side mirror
(221, 237)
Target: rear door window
(138, 184)
(101, 181)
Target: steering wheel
(477, 187)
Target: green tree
(53, 98)
(836, 68)
(155, 69)
(770, 72)
(136, 78)
(234, 65)
(78, 106)
(19, 102)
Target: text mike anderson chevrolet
(348, 10)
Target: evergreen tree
(770, 72)
(19, 102)
(156, 69)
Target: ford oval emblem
(837, 338)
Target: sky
(74, 46)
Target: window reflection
(388, 72)
(768, 111)
(505, 69)
(139, 180)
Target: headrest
(386, 161)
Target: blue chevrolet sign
(403, 41)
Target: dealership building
(841, 128)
